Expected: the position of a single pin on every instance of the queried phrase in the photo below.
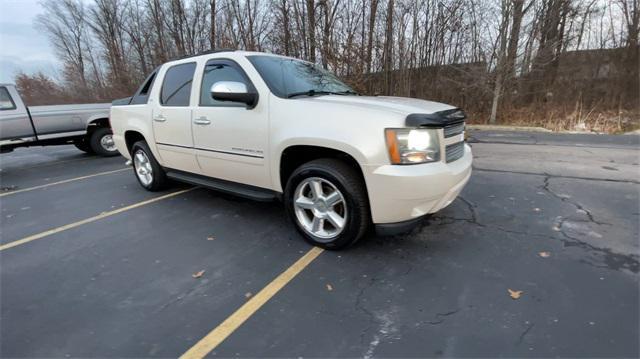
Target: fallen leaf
(198, 275)
(210, 238)
(515, 294)
(329, 287)
(247, 295)
(544, 254)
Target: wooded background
(562, 64)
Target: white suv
(271, 127)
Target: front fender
(309, 141)
(92, 120)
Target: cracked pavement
(123, 286)
(443, 289)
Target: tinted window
(288, 76)
(6, 103)
(142, 95)
(176, 88)
(220, 70)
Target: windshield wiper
(347, 92)
(319, 92)
(307, 93)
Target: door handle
(202, 121)
(159, 118)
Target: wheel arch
(97, 121)
(293, 156)
(131, 137)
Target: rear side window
(176, 87)
(142, 95)
(6, 103)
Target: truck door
(15, 124)
(171, 119)
(230, 140)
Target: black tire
(83, 146)
(349, 182)
(95, 142)
(159, 178)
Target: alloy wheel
(320, 208)
(143, 168)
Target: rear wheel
(101, 142)
(327, 201)
(148, 171)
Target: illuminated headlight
(412, 146)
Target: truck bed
(48, 120)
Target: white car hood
(400, 105)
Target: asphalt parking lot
(94, 266)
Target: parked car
(271, 127)
(85, 126)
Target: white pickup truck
(271, 127)
(85, 126)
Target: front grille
(454, 151)
(453, 129)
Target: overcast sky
(22, 46)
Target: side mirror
(235, 92)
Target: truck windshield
(289, 78)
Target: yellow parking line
(61, 182)
(89, 220)
(222, 331)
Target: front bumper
(392, 229)
(406, 193)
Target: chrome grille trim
(454, 129)
(454, 152)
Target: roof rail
(213, 51)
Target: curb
(507, 128)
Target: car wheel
(101, 142)
(83, 146)
(327, 201)
(148, 171)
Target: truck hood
(399, 105)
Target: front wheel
(83, 146)
(101, 142)
(327, 201)
(148, 171)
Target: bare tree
(499, 59)
(501, 56)
(65, 22)
(212, 19)
(388, 48)
(311, 20)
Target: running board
(239, 189)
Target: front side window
(216, 71)
(6, 103)
(176, 87)
(289, 77)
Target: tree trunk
(500, 61)
(372, 23)
(311, 19)
(325, 34)
(388, 50)
(514, 37)
(212, 40)
(284, 9)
